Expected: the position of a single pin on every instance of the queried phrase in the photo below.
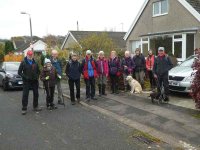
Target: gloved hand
(59, 76)
(47, 78)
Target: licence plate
(174, 83)
(20, 82)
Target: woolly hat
(47, 61)
(88, 52)
(161, 49)
(29, 53)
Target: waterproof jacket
(89, 68)
(140, 63)
(114, 66)
(130, 65)
(162, 65)
(102, 67)
(150, 62)
(73, 70)
(29, 71)
(58, 65)
(52, 73)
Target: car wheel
(4, 86)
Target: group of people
(92, 69)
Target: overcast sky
(59, 16)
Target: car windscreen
(12, 66)
(187, 63)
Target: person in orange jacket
(149, 66)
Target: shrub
(195, 88)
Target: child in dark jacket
(73, 72)
(49, 76)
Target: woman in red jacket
(149, 66)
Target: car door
(1, 73)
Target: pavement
(173, 123)
(73, 127)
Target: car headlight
(9, 75)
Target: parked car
(181, 76)
(9, 78)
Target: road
(74, 127)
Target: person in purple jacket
(114, 71)
(128, 66)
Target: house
(37, 46)
(74, 37)
(174, 24)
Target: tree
(95, 42)
(1, 51)
(9, 47)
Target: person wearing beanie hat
(162, 65)
(102, 70)
(73, 72)
(89, 71)
(48, 76)
(29, 71)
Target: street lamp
(25, 13)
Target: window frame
(160, 8)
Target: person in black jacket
(29, 71)
(140, 67)
(73, 72)
(161, 68)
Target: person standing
(29, 71)
(114, 72)
(89, 70)
(149, 66)
(140, 67)
(102, 70)
(48, 76)
(73, 72)
(128, 66)
(161, 69)
(58, 66)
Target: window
(160, 8)
(135, 44)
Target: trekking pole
(63, 99)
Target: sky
(57, 17)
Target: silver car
(181, 76)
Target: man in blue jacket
(57, 64)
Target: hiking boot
(53, 107)
(94, 98)
(78, 100)
(73, 103)
(166, 99)
(60, 103)
(37, 109)
(87, 99)
(24, 112)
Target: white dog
(134, 84)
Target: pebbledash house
(174, 24)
